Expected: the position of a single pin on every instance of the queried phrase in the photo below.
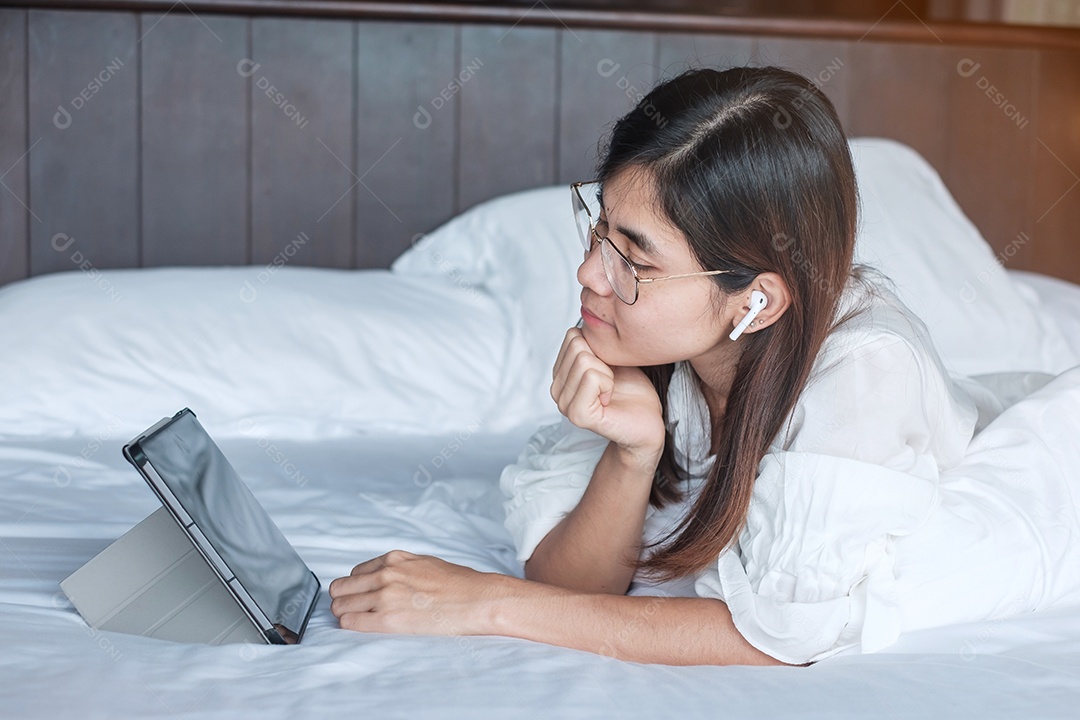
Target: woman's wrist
(509, 601)
(638, 459)
(490, 617)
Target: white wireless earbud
(758, 301)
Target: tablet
(228, 526)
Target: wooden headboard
(333, 133)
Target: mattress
(343, 501)
(374, 410)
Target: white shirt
(856, 468)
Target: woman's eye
(602, 231)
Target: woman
(753, 425)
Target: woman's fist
(619, 403)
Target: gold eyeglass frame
(576, 200)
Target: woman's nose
(590, 272)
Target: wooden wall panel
(303, 165)
(900, 91)
(508, 113)
(1056, 191)
(825, 62)
(406, 134)
(677, 52)
(14, 201)
(991, 144)
(83, 71)
(602, 76)
(385, 129)
(194, 140)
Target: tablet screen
(225, 511)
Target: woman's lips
(591, 319)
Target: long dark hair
(753, 166)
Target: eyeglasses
(621, 273)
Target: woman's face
(672, 320)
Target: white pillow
(1059, 299)
(913, 230)
(524, 248)
(300, 352)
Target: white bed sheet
(342, 501)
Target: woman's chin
(613, 357)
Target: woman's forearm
(667, 630)
(594, 547)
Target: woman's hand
(400, 592)
(619, 403)
(404, 593)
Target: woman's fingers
(362, 621)
(352, 603)
(573, 345)
(393, 557)
(369, 566)
(357, 591)
(363, 577)
(351, 584)
(577, 357)
(570, 335)
(588, 379)
(413, 593)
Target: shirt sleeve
(811, 573)
(548, 481)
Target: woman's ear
(778, 300)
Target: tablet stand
(153, 581)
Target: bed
(370, 373)
(374, 409)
